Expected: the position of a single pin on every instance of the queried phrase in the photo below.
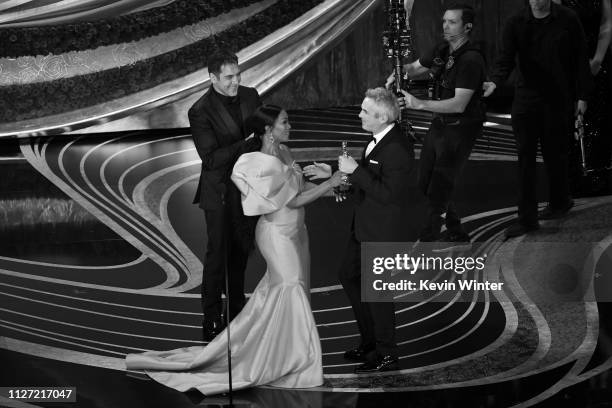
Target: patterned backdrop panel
(40, 68)
(24, 13)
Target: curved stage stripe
(136, 184)
(432, 316)
(140, 259)
(33, 13)
(490, 379)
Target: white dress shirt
(377, 138)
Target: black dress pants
(221, 251)
(549, 126)
(375, 320)
(446, 149)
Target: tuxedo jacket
(219, 141)
(381, 190)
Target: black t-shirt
(550, 57)
(464, 68)
(232, 104)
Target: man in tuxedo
(380, 191)
(217, 126)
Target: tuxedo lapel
(245, 107)
(379, 145)
(363, 156)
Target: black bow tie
(373, 139)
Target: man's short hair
(467, 12)
(220, 58)
(386, 103)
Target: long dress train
(274, 340)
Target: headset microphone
(454, 36)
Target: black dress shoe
(359, 353)
(386, 363)
(211, 330)
(550, 213)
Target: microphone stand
(227, 329)
(220, 401)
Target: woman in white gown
(274, 340)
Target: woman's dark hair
(263, 116)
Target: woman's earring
(271, 138)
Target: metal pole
(227, 327)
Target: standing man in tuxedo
(380, 192)
(217, 126)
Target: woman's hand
(296, 167)
(336, 179)
(318, 171)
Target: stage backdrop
(325, 55)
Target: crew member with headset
(459, 71)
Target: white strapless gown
(274, 340)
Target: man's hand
(402, 102)
(318, 171)
(595, 66)
(581, 107)
(390, 80)
(488, 88)
(347, 165)
(410, 101)
(335, 181)
(340, 197)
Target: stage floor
(102, 255)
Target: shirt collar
(226, 100)
(468, 43)
(379, 136)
